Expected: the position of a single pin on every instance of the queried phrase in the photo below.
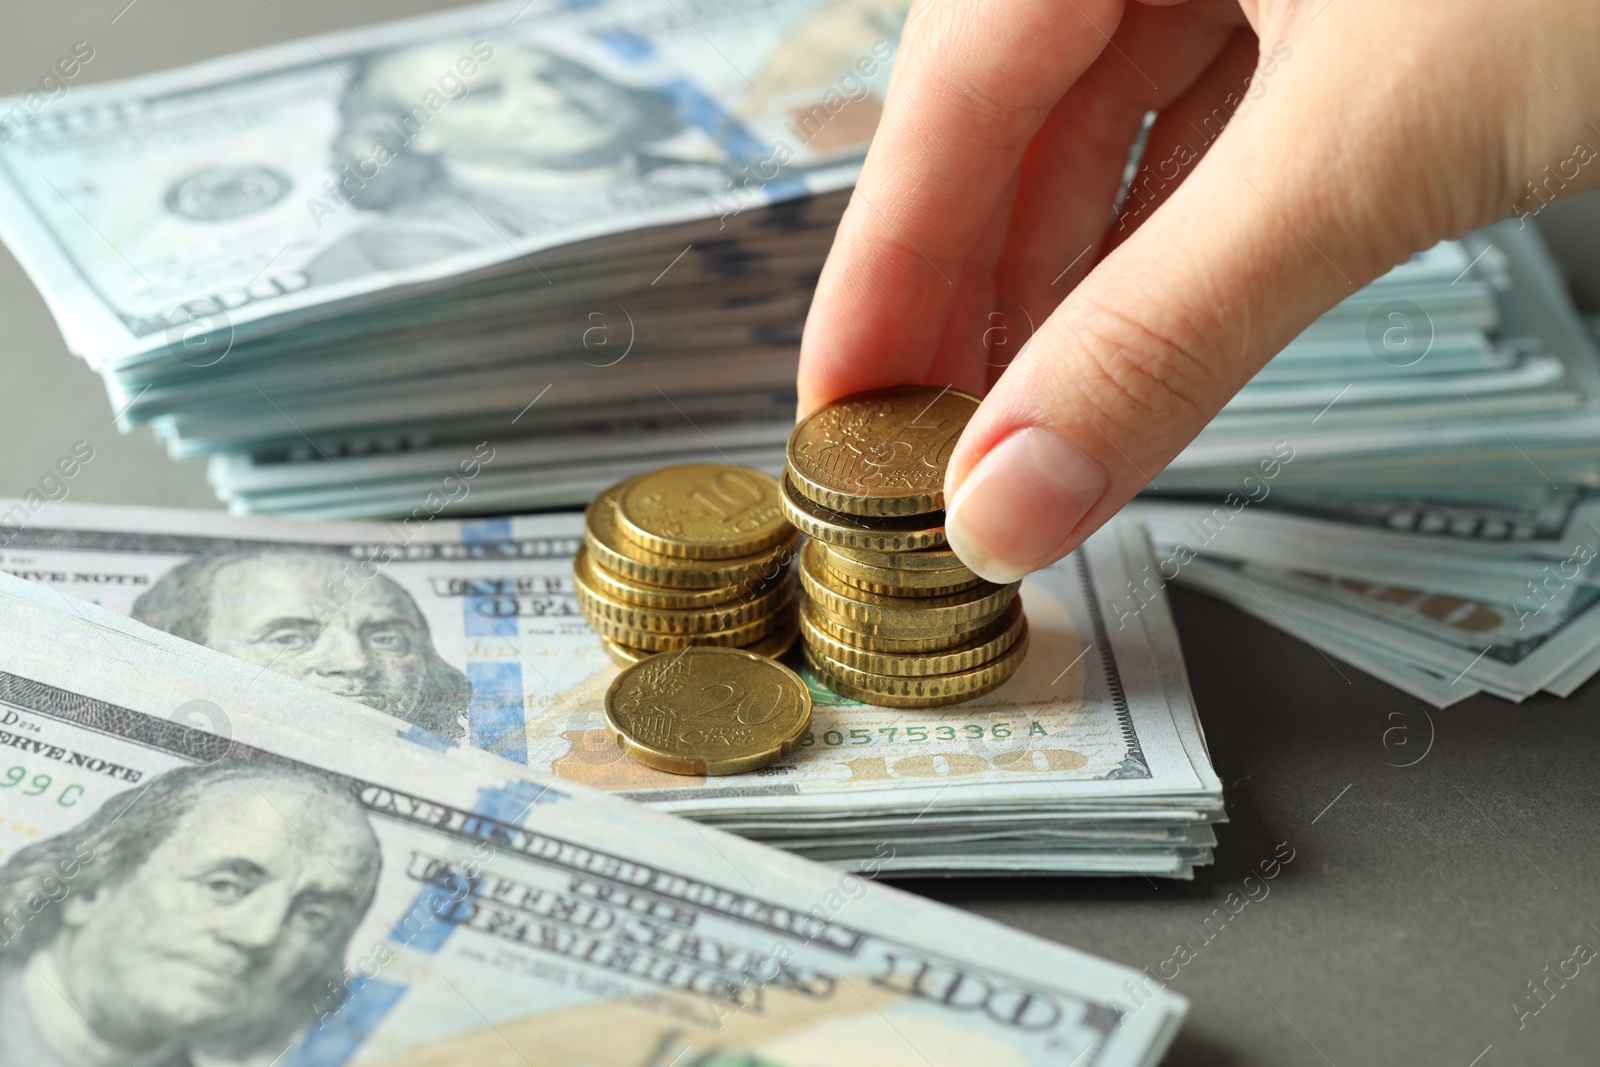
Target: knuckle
(1142, 378)
(988, 119)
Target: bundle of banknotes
(1089, 760)
(590, 232)
(1465, 371)
(205, 862)
(591, 227)
(1440, 595)
(1409, 485)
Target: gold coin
(597, 603)
(895, 641)
(912, 591)
(875, 613)
(614, 553)
(891, 582)
(622, 655)
(925, 559)
(708, 711)
(897, 534)
(648, 595)
(773, 646)
(702, 511)
(659, 641)
(981, 647)
(881, 452)
(932, 691)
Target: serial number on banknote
(40, 786)
(889, 734)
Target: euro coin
(665, 641)
(597, 604)
(708, 711)
(612, 552)
(875, 613)
(649, 595)
(867, 585)
(891, 582)
(773, 646)
(879, 453)
(702, 511)
(983, 646)
(925, 559)
(895, 534)
(895, 691)
(892, 641)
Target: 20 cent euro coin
(705, 710)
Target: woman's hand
(1357, 132)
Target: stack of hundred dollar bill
(588, 231)
(1089, 760)
(1409, 486)
(204, 862)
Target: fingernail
(1014, 510)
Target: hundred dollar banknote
(240, 195)
(1538, 546)
(1092, 758)
(1513, 650)
(203, 862)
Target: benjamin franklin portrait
(530, 141)
(203, 916)
(273, 607)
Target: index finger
(972, 84)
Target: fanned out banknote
(203, 861)
(1442, 597)
(1091, 760)
(1410, 485)
(592, 226)
(1463, 373)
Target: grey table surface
(1420, 899)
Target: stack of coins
(890, 616)
(690, 555)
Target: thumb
(1259, 239)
